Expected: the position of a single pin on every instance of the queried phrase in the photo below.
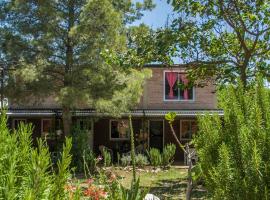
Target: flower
(99, 158)
(89, 181)
(95, 193)
(70, 188)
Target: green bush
(141, 160)
(234, 151)
(134, 193)
(168, 155)
(107, 158)
(155, 157)
(81, 152)
(125, 160)
(26, 172)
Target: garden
(231, 150)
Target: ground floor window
(119, 130)
(16, 122)
(187, 129)
(46, 127)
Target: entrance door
(156, 134)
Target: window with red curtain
(173, 90)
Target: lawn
(166, 184)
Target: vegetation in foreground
(234, 151)
(27, 172)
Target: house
(161, 95)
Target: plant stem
(132, 149)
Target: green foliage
(125, 160)
(167, 156)
(170, 117)
(61, 53)
(155, 157)
(25, 171)
(83, 158)
(141, 160)
(234, 150)
(107, 158)
(134, 193)
(222, 40)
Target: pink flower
(89, 181)
(99, 158)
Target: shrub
(134, 193)
(107, 158)
(155, 157)
(234, 152)
(81, 152)
(25, 171)
(141, 160)
(168, 155)
(125, 160)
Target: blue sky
(157, 17)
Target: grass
(166, 184)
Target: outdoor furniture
(193, 155)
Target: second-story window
(176, 87)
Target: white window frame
(110, 132)
(176, 100)
(42, 133)
(20, 119)
(184, 120)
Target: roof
(156, 65)
(93, 113)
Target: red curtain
(185, 81)
(171, 78)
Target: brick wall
(153, 96)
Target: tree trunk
(67, 120)
(243, 75)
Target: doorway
(156, 133)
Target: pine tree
(59, 49)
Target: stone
(151, 197)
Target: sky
(158, 16)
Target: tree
(222, 38)
(234, 150)
(61, 47)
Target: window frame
(184, 120)
(110, 131)
(176, 100)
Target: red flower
(95, 192)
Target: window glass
(47, 126)
(119, 129)
(173, 89)
(188, 129)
